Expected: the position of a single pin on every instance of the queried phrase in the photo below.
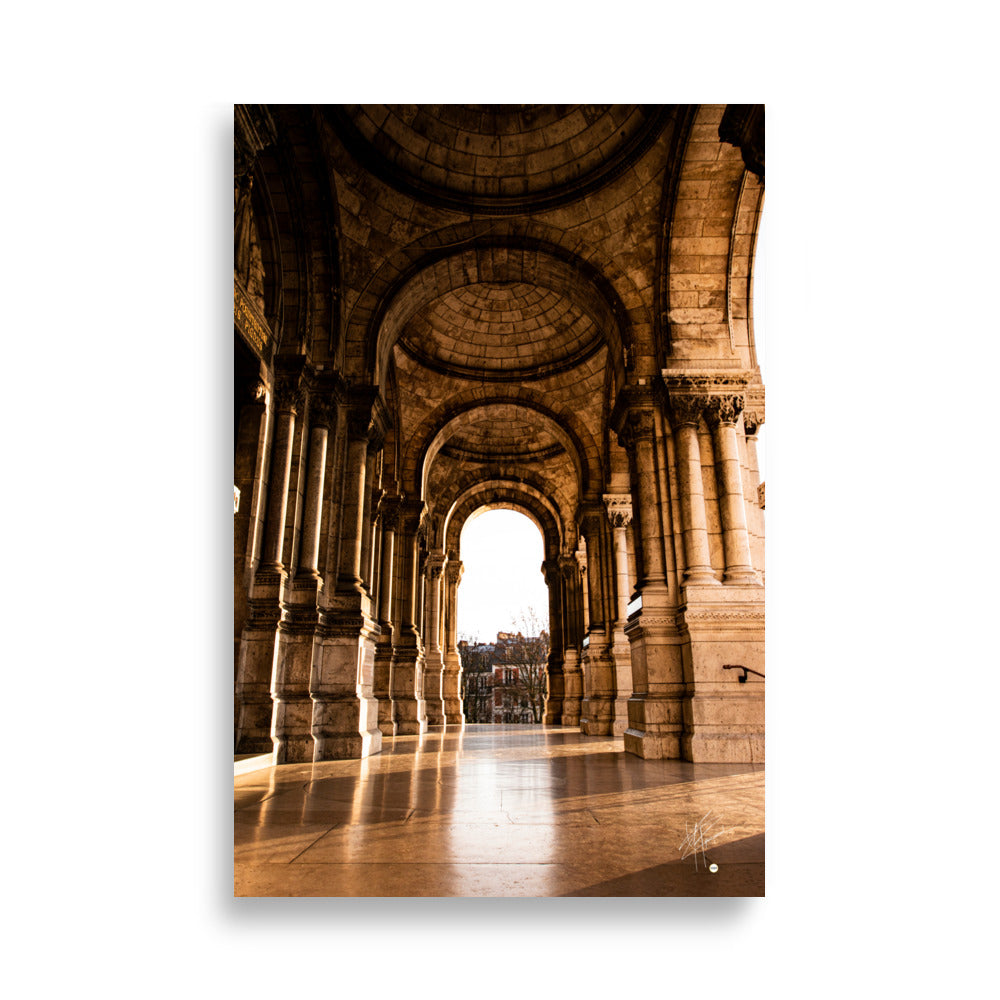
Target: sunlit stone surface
(500, 811)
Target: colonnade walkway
(493, 810)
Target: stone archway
(541, 306)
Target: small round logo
(713, 867)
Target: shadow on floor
(741, 873)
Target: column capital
(321, 411)
(569, 567)
(289, 384)
(453, 570)
(389, 512)
(367, 415)
(619, 508)
(753, 410)
(686, 409)
(636, 424)
(589, 516)
(434, 565)
(723, 410)
(691, 394)
(410, 514)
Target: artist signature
(698, 838)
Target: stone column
(619, 507)
(452, 683)
(257, 646)
(293, 707)
(433, 660)
(597, 706)
(685, 412)
(557, 681)
(319, 435)
(655, 707)
(721, 414)
(407, 652)
(345, 712)
(249, 475)
(382, 683)
(349, 577)
(572, 579)
(753, 417)
(723, 624)
(289, 399)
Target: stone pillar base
(255, 725)
(410, 711)
(350, 746)
(723, 718)
(253, 684)
(655, 726)
(345, 712)
(343, 729)
(451, 689)
(623, 688)
(382, 687)
(719, 748)
(554, 701)
(597, 704)
(291, 730)
(651, 746)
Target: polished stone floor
(500, 811)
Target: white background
(881, 495)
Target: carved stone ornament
(253, 131)
(687, 409)
(638, 424)
(453, 570)
(760, 496)
(753, 409)
(389, 513)
(723, 409)
(434, 565)
(288, 393)
(619, 507)
(321, 412)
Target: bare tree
(528, 651)
(477, 680)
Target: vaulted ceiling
(500, 278)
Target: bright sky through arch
(502, 555)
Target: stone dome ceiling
(508, 431)
(497, 158)
(510, 331)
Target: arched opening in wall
(503, 618)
